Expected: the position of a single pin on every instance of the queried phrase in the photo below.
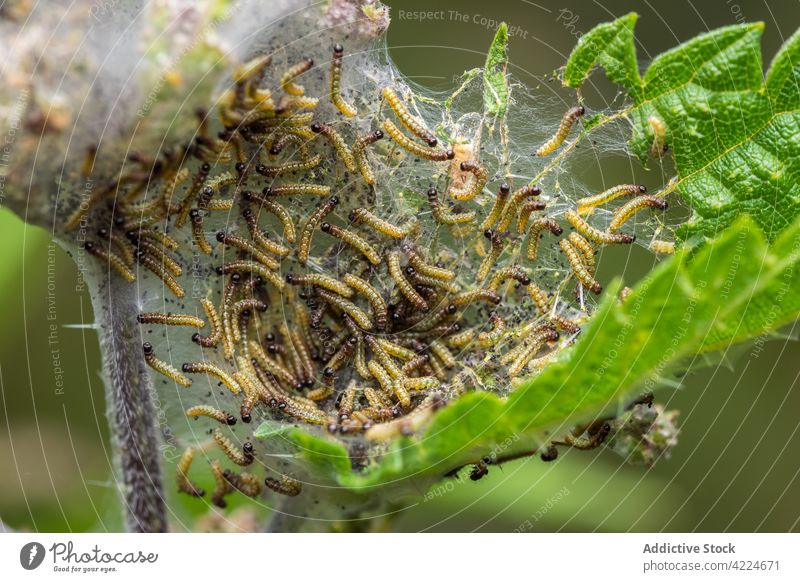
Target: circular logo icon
(31, 555)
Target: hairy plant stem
(130, 410)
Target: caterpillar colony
(334, 253)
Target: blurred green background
(735, 469)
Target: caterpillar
(364, 216)
(304, 410)
(182, 475)
(629, 209)
(442, 352)
(609, 195)
(113, 260)
(290, 103)
(353, 240)
(159, 236)
(586, 249)
(510, 210)
(284, 139)
(279, 211)
(497, 208)
(336, 82)
(422, 383)
(593, 439)
(157, 318)
(416, 261)
(254, 268)
(427, 281)
(310, 225)
(160, 256)
(595, 235)
(410, 122)
(272, 366)
(293, 356)
(297, 190)
(222, 487)
(360, 317)
(191, 193)
(287, 79)
(662, 247)
(158, 269)
(246, 246)
(242, 458)
(491, 257)
(163, 367)
(360, 155)
(196, 219)
(290, 167)
(284, 485)
(226, 310)
(338, 143)
(245, 483)
(513, 272)
(533, 345)
(396, 350)
(323, 281)
(123, 246)
(379, 309)
(240, 308)
(88, 161)
(426, 153)
(384, 358)
(251, 68)
(570, 117)
(579, 268)
(211, 412)
(347, 401)
(542, 303)
(396, 273)
(388, 383)
(260, 237)
(534, 233)
(209, 341)
(659, 128)
(342, 355)
(488, 339)
(525, 213)
(473, 187)
(302, 350)
(442, 214)
(461, 339)
(467, 297)
(212, 370)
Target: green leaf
(704, 298)
(733, 137)
(495, 84)
(609, 45)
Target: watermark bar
(618, 557)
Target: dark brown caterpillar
(284, 485)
